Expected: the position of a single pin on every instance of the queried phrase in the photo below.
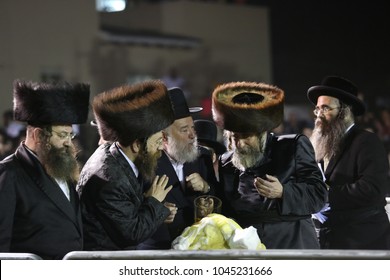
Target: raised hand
(158, 189)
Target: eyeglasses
(64, 135)
(324, 109)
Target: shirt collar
(135, 169)
(349, 127)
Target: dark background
(312, 39)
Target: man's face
(328, 108)
(180, 140)
(330, 127)
(57, 153)
(146, 161)
(247, 147)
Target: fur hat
(247, 107)
(339, 88)
(206, 132)
(131, 112)
(179, 103)
(45, 103)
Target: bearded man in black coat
(355, 165)
(271, 183)
(189, 168)
(117, 213)
(39, 206)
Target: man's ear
(135, 146)
(37, 134)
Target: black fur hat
(46, 103)
(131, 112)
(247, 107)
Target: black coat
(281, 223)
(358, 184)
(116, 215)
(182, 197)
(35, 215)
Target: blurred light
(110, 5)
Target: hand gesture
(158, 190)
(172, 207)
(196, 183)
(269, 187)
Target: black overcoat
(281, 223)
(116, 214)
(35, 215)
(358, 182)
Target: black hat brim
(316, 91)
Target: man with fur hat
(355, 165)
(189, 168)
(117, 214)
(271, 183)
(39, 206)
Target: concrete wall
(235, 42)
(43, 38)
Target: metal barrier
(231, 254)
(19, 256)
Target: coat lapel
(135, 188)
(165, 167)
(335, 159)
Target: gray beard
(249, 156)
(327, 137)
(182, 152)
(243, 161)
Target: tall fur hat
(131, 112)
(247, 107)
(45, 103)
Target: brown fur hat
(46, 103)
(131, 112)
(247, 107)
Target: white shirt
(178, 167)
(135, 169)
(64, 187)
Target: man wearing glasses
(39, 206)
(355, 165)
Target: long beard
(182, 152)
(59, 163)
(247, 157)
(146, 164)
(327, 137)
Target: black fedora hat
(339, 88)
(179, 104)
(207, 135)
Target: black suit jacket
(116, 215)
(182, 197)
(35, 215)
(358, 182)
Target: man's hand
(270, 188)
(172, 207)
(158, 190)
(196, 183)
